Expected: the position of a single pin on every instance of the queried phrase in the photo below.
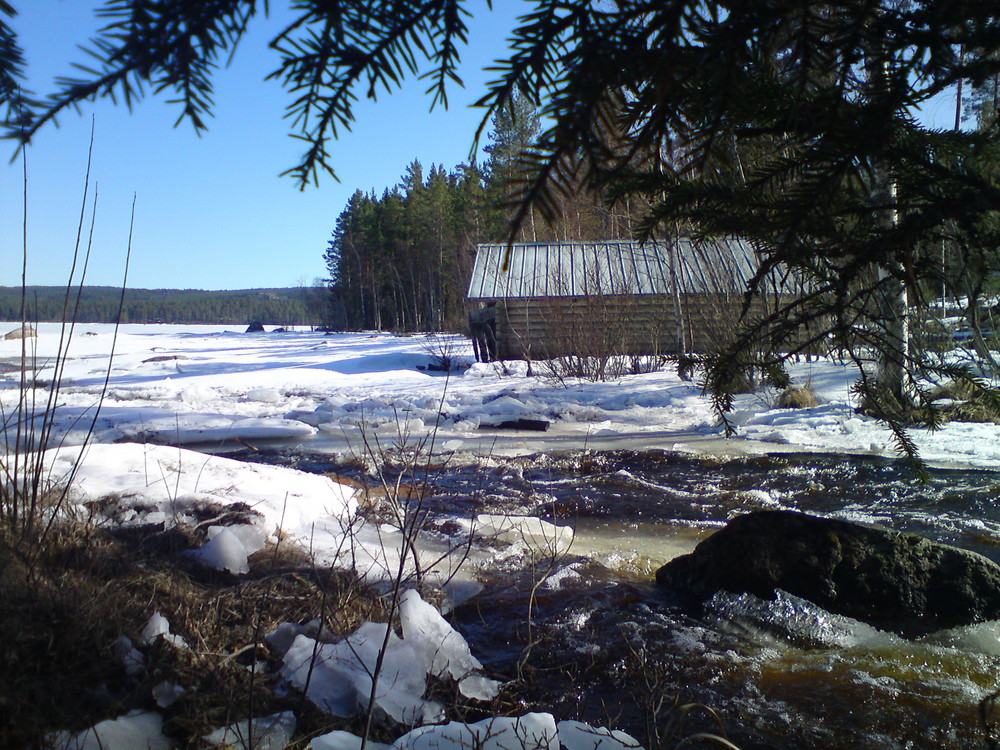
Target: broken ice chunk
(136, 729)
(159, 627)
(341, 740)
(338, 675)
(266, 733)
(442, 648)
(575, 735)
(228, 547)
(129, 656)
(166, 694)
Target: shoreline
(514, 444)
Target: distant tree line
(402, 260)
(99, 304)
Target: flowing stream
(594, 638)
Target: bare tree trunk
(895, 350)
(678, 308)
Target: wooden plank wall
(547, 327)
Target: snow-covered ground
(202, 384)
(171, 386)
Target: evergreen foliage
(99, 304)
(402, 260)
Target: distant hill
(99, 304)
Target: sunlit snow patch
(160, 484)
(341, 740)
(537, 731)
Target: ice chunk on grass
(478, 687)
(341, 740)
(228, 547)
(159, 627)
(266, 733)
(136, 730)
(129, 656)
(535, 731)
(575, 735)
(339, 675)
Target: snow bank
(342, 392)
(165, 485)
(134, 484)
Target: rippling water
(606, 645)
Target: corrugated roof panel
(519, 267)
(476, 280)
(636, 267)
(618, 267)
(619, 279)
(572, 271)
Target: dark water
(593, 638)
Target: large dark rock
(886, 578)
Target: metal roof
(578, 269)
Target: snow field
(337, 393)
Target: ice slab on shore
(575, 735)
(536, 731)
(264, 733)
(337, 677)
(136, 730)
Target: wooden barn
(607, 298)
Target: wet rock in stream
(886, 578)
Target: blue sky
(211, 211)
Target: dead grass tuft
(963, 402)
(796, 397)
(60, 618)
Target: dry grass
(796, 397)
(968, 404)
(60, 618)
